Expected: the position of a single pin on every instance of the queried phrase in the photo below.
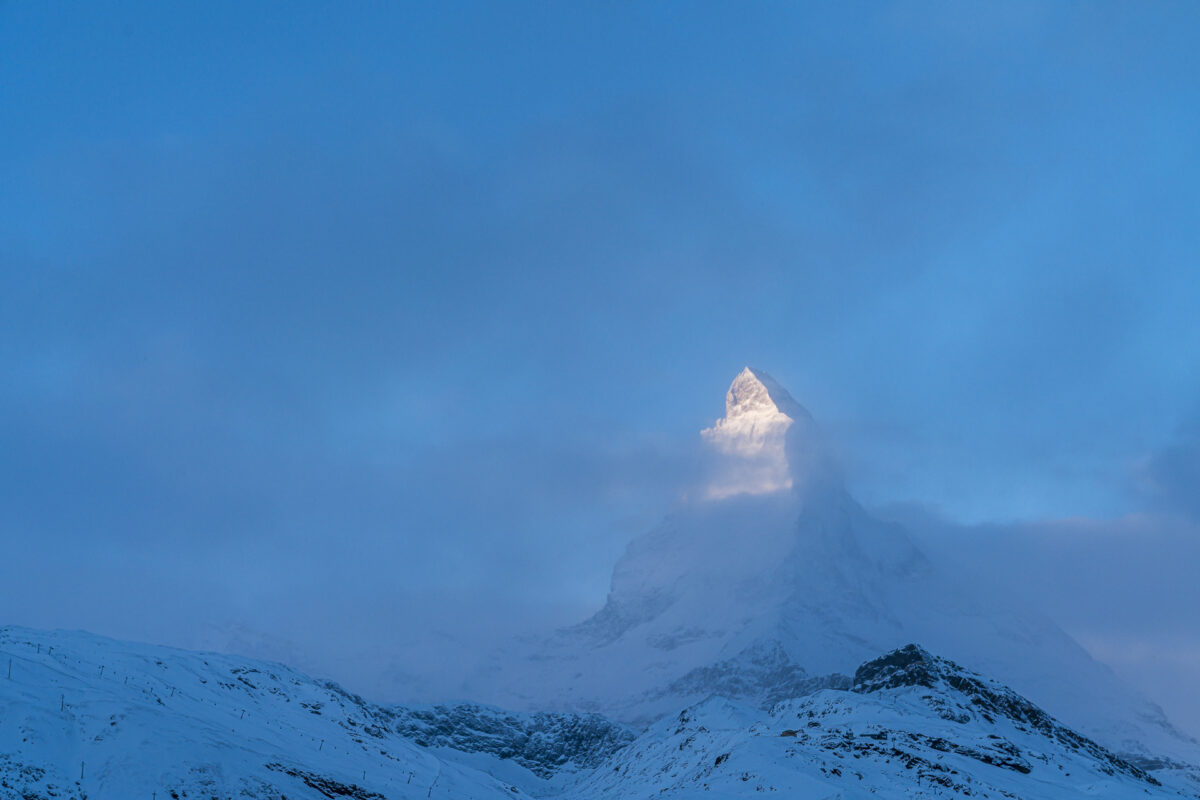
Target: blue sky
(429, 302)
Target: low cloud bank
(1125, 588)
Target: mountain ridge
(89, 717)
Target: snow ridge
(83, 716)
(86, 717)
(976, 697)
(903, 730)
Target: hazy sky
(418, 308)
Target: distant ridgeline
(85, 716)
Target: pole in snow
(322, 745)
(62, 702)
(10, 669)
(81, 770)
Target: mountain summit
(755, 393)
(766, 443)
(775, 579)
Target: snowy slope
(87, 717)
(912, 725)
(84, 716)
(790, 565)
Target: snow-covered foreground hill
(910, 725)
(86, 717)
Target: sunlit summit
(752, 438)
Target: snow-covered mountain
(83, 716)
(87, 717)
(773, 577)
(909, 725)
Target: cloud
(1169, 479)
(1125, 588)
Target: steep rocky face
(762, 675)
(959, 695)
(908, 666)
(545, 744)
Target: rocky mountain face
(960, 696)
(762, 674)
(545, 744)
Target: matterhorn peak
(754, 392)
(756, 437)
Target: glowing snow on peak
(752, 436)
